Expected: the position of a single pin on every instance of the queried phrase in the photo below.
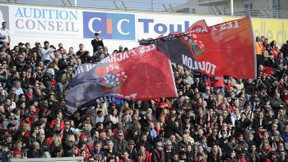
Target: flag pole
(232, 7)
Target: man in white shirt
(99, 117)
(235, 116)
(47, 53)
(18, 88)
(4, 35)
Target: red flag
(268, 71)
(219, 50)
(226, 49)
(147, 78)
(143, 73)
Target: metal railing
(210, 1)
(264, 13)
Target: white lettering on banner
(125, 55)
(103, 99)
(119, 27)
(147, 48)
(133, 52)
(79, 70)
(111, 68)
(225, 26)
(131, 96)
(107, 98)
(90, 25)
(120, 56)
(207, 67)
(229, 25)
(90, 66)
(84, 68)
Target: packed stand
(213, 119)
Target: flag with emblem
(114, 81)
(143, 73)
(222, 49)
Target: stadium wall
(72, 26)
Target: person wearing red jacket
(84, 144)
(59, 120)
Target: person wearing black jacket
(277, 103)
(171, 127)
(253, 154)
(184, 143)
(96, 43)
(249, 87)
(212, 138)
(242, 124)
(214, 155)
(260, 121)
(36, 151)
(232, 157)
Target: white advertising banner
(45, 21)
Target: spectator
(168, 151)
(215, 154)
(125, 157)
(4, 35)
(96, 43)
(81, 50)
(11, 119)
(258, 46)
(33, 137)
(120, 143)
(171, 127)
(98, 152)
(35, 152)
(132, 151)
(158, 154)
(58, 120)
(47, 53)
(109, 152)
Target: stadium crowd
(213, 119)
